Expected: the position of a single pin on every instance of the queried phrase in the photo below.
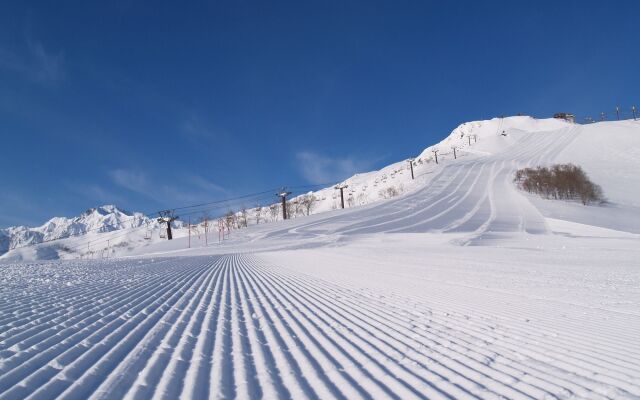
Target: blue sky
(155, 105)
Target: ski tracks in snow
(234, 326)
(475, 196)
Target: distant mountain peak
(105, 218)
(107, 209)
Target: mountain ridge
(105, 218)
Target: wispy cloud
(193, 126)
(47, 66)
(198, 130)
(95, 193)
(183, 190)
(35, 62)
(318, 168)
(206, 185)
(135, 181)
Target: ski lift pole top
(341, 187)
(167, 217)
(283, 196)
(410, 161)
(283, 193)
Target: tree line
(299, 206)
(560, 181)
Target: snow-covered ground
(356, 321)
(463, 287)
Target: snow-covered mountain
(107, 218)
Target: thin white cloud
(193, 127)
(135, 181)
(95, 193)
(317, 168)
(206, 184)
(48, 66)
(186, 190)
(199, 131)
(36, 63)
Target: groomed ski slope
(463, 288)
(473, 199)
(240, 326)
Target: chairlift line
(149, 215)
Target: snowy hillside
(472, 199)
(477, 181)
(470, 139)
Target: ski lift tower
(341, 187)
(283, 196)
(411, 161)
(167, 217)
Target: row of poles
(223, 232)
(341, 187)
(168, 216)
(603, 115)
(104, 252)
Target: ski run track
(246, 324)
(236, 326)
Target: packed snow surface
(462, 287)
(354, 322)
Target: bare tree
(221, 224)
(274, 211)
(389, 192)
(307, 202)
(230, 220)
(350, 200)
(196, 229)
(292, 208)
(362, 198)
(258, 215)
(243, 220)
(206, 218)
